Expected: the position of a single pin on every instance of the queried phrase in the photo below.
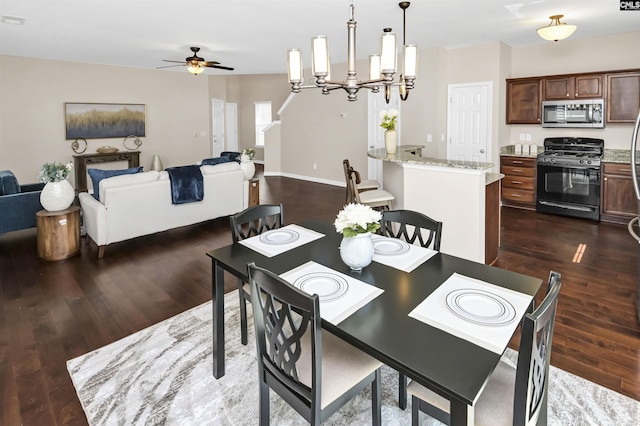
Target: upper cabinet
(623, 97)
(573, 87)
(523, 101)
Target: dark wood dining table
(449, 365)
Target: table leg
(461, 413)
(217, 290)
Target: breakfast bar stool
(362, 185)
(375, 198)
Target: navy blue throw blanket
(187, 184)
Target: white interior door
(217, 131)
(231, 126)
(376, 103)
(469, 121)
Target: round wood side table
(58, 233)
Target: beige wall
(33, 92)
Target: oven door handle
(564, 206)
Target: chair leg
(243, 313)
(376, 399)
(415, 411)
(402, 391)
(264, 404)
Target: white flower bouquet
(247, 154)
(356, 219)
(389, 118)
(54, 172)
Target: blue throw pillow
(215, 160)
(8, 183)
(97, 175)
(231, 155)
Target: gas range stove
(572, 152)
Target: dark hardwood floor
(53, 311)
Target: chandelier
(556, 30)
(382, 67)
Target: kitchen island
(463, 195)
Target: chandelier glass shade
(556, 30)
(382, 67)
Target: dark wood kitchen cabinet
(573, 87)
(519, 182)
(523, 101)
(619, 203)
(623, 97)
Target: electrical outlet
(429, 137)
(315, 166)
(528, 137)
(522, 137)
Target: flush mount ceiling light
(382, 67)
(556, 30)
(13, 20)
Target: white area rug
(163, 376)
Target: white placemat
(403, 260)
(474, 310)
(275, 245)
(343, 295)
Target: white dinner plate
(390, 246)
(327, 286)
(480, 307)
(279, 236)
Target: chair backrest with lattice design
(255, 220)
(412, 226)
(289, 340)
(532, 376)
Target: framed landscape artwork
(101, 121)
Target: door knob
(482, 151)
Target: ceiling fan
(196, 64)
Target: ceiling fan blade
(220, 67)
(171, 66)
(177, 62)
(208, 63)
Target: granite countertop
(403, 156)
(492, 177)
(619, 156)
(510, 150)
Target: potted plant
(57, 194)
(389, 119)
(246, 162)
(356, 222)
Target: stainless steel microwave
(574, 113)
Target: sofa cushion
(98, 174)
(219, 168)
(8, 183)
(231, 155)
(127, 179)
(215, 160)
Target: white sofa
(140, 204)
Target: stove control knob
(588, 161)
(581, 161)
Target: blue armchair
(18, 203)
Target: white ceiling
(254, 35)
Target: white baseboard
(307, 178)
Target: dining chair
(313, 371)
(362, 185)
(374, 198)
(513, 396)
(410, 226)
(248, 223)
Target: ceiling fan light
(556, 30)
(195, 69)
